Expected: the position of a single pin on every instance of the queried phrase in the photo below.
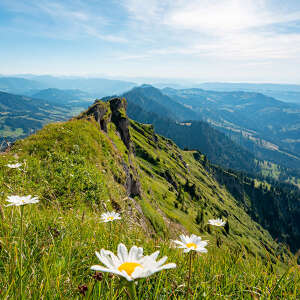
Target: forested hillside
(265, 126)
(22, 115)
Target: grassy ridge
(75, 170)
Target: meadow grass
(59, 246)
(74, 170)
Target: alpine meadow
(149, 150)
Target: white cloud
(228, 29)
(219, 17)
(69, 19)
(145, 11)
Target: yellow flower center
(129, 267)
(191, 245)
(110, 218)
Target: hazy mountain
(267, 127)
(22, 115)
(153, 100)
(19, 85)
(97, 87)
(147, 104)
(284, 92)
(64, 97)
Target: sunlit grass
(59, 248)
(74, 176)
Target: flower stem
(110, 288)
(110, 234)
(190, 273)
(21, 253)
(132, 291)
(218, 239)
(110, 245)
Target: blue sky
(201, 40)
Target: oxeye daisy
(191, 243)
(21, 200)
(14, 166)
(131, 265)
(110, 216)
(216, 222)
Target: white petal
(193, 237)
(122, 253)
(115, 260)
(162, 260)
(178, 243)
(203, 250)
(124, 274)
(138, 273)
(100, 268)
(133, 254)
(184, 238)
(168, 266)
(187, 250)
(202, 244)
(154, 255)
(140, 253)
(104, 257)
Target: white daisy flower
(110, 216)
(131, 265)
(193, 242)
(14, 166)
(21, 200)
(216, 222)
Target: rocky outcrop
(115, 111)
(118, 109)
(112, 111)
(101, 113)
(132, 185)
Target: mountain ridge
(86, 166)
(252, 115)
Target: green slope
(83, 167)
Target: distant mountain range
(245, 128)
(153, 100)
(96, 87)
(22, 115)
(269, 128)
(147, 104)
(65, 97)
(283, 92)
(20, 86)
